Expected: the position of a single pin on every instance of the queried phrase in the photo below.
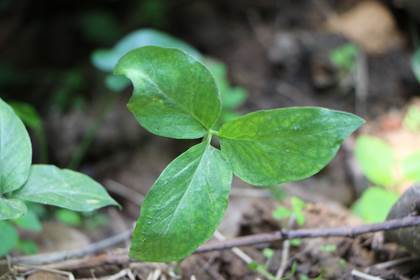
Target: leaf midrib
(187, 189)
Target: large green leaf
(15, 150)
(174, 94)
(376, 160)
(106, 60)
(184, 206)
(280, 145)
(65, 188)
(11, 209)
(9, 238)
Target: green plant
(344, 57)
(176, 96)
(379, 164)
(21, 182)
(296, 211)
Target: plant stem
(213, 132)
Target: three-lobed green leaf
(15, 150)
(280, 145)
(65, 188)
(174, 94)
(184, 206)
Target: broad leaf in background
(415, 64)
(65, 188)
(374, 204)
(232, 97)
(174, 94)
(116, 83)
(411, 167)
(106, 60)
(184, 206)
(11, 209)
(15, 150)
(9, 238)
(280, 145)
(376, 160)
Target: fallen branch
(251, 240)
(47, 258)
(350, 232)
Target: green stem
(213, 132)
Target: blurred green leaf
(411, 167)
(27, 113)
(9, 238)
(376, 160)
(328, 248)
(68, 217)
(29, 221)
(412, 118)
(281, 213)
(415, 64)
(344, 56)
(268, 253)
(374, 204)
(27, 247)
(232, 97)
(296, 242)
(116, 83)
(106, 60)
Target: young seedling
(176, 96)
(21, 182)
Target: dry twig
(122, 258)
